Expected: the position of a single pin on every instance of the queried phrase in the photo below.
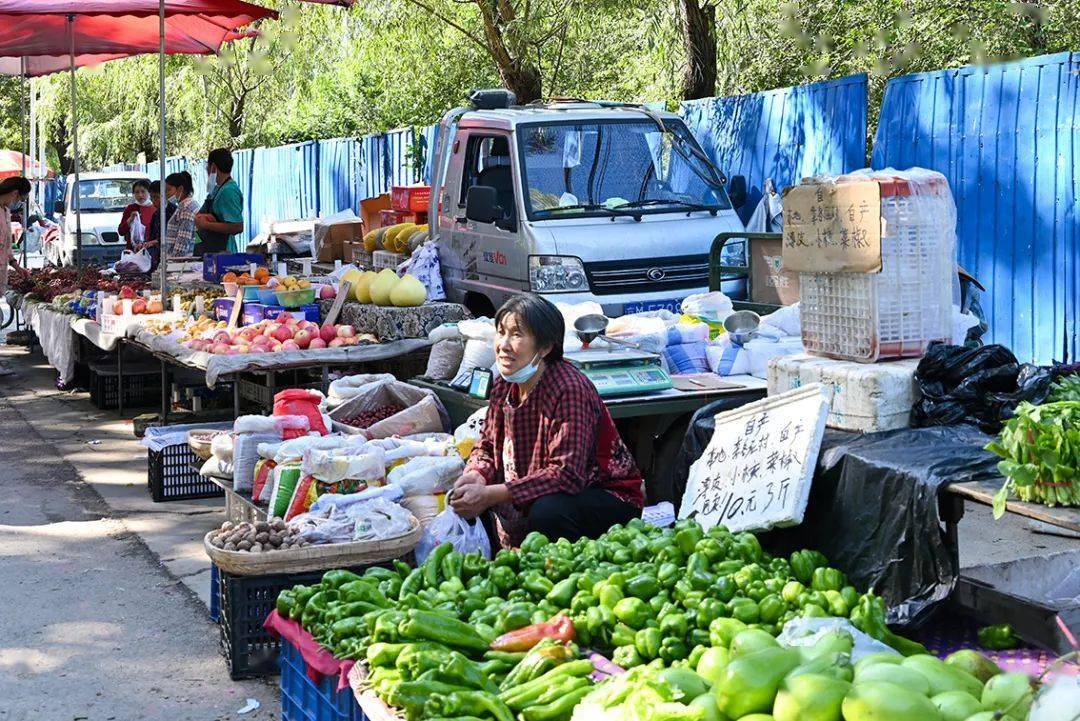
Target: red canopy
(39, 31)
(11, 163)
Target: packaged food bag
(246, 455)
(345, 388)
(425, 508)
(426, 475)
(304, 494)
(286, 478)
(302, 402)
(467, 435)
(422, 411)
(263, 485)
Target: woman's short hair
(145, 184)
(541, 318)
(181, 180)
(155, 186)
(16, 182)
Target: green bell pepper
(998, 638)
(627, 657)
(827, 579)
(698, 637)
(724, 589)
(536, 584)
(562, 593)
(791, 591)
(337, 578)
(514, 616)
(384, 654)
(687, 538)
(642, 586)
(771, 608)
(633, 612)
(474, 564)
(708, 611)
(837, 605)
(745, 610)
(647, 642)
(503, 578)
(722, 630)
(582, 602)
(533, 542)
(711, 549)
(674, 624)
(301, 596)
(285, 602)
(507, 558)
(748, 547)
(668, 574)
(657, 602)
(609, 594)
(673, 649)
(803, 564)
(622, 635)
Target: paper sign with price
(757, 469)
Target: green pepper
(998, 638)
(647, 642)
(457, 669)
(693, 599)
(608, 594)
(673, 649)
(622, 635)
(507, 558)
(503, 578)
(642, 586)
(598, 620)
(687, 538)
(674, 624)
(589, 579)
(363, 590)
(340, 610)
(315, 609)
(533, 542)
(286, 600)
(433, 564)
(627, 657)
(816, 598)
(707, 611)
(441, 628)
(301, 596)
(668, 574)
(827, 579)
(695, 655)
(803, 564)
(386, 627)
(347, 627)
(748, 547)
(473, 564)
(837, 605)
(791, 591)
(728, 568)
(850, 596)
(711, 549)
(413, 695)
(337, 578)
(582, 601)
(724, 589)
(745, 610)
(391, 587)
(452, 565)
(633, 612)
(412, 583)
(535, 584)
(771, 608)
(562, 593)
(812, 610)
(557, 710)
(698, 637)
(384, 654)
(514, 616)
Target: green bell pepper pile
(640, 594)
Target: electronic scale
(616, 371)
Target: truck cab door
(493, 261)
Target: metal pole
(163, 252)
(23, 149)
(75, 149)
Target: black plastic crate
(171, 475)
(141, 387)
(249, 649)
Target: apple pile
(139, 306)
(283, 333)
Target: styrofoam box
(862, 397)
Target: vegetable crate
(382, 259)
(244, 603)
(141, 386)
(305, 700)
(171, 475)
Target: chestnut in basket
(365, 419)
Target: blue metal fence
(1006, 137)
(784, 134)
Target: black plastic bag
(980, 386)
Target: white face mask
(211, 181)
(144, 202)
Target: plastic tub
(295, 298)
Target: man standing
(221, 218)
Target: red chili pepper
(560, 628)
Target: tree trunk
(699, 40)
(236, 117)
(524, 80)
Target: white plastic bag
(245, 456)
(275, 425)
(346, 388)
(424, 266)
(217, 468)
(427, 475)
(334, 467)
(808, 631)
(448, 526)
(140, 259)
(222, 446)
(136, 231)
(713, 306)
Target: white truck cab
(102, 199)
(578, 201)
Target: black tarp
(873, 507)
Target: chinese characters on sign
(756, 471)
(833, 227)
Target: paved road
(94, 627)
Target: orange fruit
(229, 277)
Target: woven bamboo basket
(199, 441)
(312, 558)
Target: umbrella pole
(75, 149)
(23, 149)
(163, 252)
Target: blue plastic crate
(304, 700)
(216, 265)
(215, 598)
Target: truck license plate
(672, 304)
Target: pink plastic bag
(300, 402)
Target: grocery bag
(422, 411)
(449, 527)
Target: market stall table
(984, 491)
(654, 414)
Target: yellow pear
(408, 292)
(362, 286)
(352, 275)
(382, 286)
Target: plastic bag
(380, 519)
(278, 425)
(686, 358)
(334, 466)
(133, 262)
(245, 456)
(427, 475)
(222, 446)
(808, 631)
(980, 386)
(263, 484)
(713, 306)
(446, 357)
(293, 450)
(347, 388)
(136, 230)
(302, 402)
(286, 477)
(217, 468)
(448, 526)
(446, 331)
(467, 435)
(425, 508)
(423, 412)
(424, 266)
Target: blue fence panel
(1004, 136)
(243, 167)
(783, 134)
(399, 165)
(338, 177)
(282, 185)
(430, 137)
(372, 166)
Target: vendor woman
(550, 458)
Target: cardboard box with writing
(331, 237)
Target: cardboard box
(393, 217)
(371, 208)
(330, 238)
(353, 252)
(410, 198)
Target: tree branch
(440, 16)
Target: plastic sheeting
(873, 507)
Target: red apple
(317, 344)
(127, 292)
(270, 329)
(282, 317)
(290, 345)
(346, 331)
(328, 332)
(282, 333)
(303, 338)
(327, 292)
(336, 343)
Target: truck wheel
(479, 305)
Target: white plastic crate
(385, 259)
(898, 312)
(863, 398)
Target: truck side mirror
(482, 204)
(737, 191)
(58, 207)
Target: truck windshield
(106, 195)
(609, 167)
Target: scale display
(621, 372)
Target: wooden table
(984, 491)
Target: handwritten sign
(238, 304)
(344, 292)
(833, 227)
(756, 471)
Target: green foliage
(328, 72)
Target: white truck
(578, 201)
(102, 199)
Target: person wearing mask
(153, 241)
(13, 194)
(180, 229)
(221, 219)
(142, 209)
(550, 458)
